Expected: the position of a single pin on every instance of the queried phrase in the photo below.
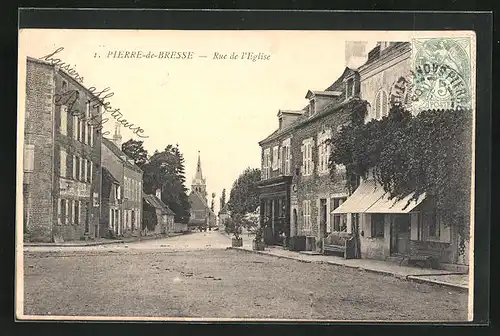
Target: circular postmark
(441, 75)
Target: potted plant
(258, 241)
(233, 226)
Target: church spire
(199, 174)
(199, 184)
(117, 138)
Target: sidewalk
(101, 241)
(424, 275)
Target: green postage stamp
(441, 73)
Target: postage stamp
(441, 69)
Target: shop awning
(386, 205)
(367, 193)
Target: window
(64, 87)
(82, 169)
(312, 109)
(91, 128)
(88, 170)
(91, 166)
(381, 104)
(64, 120)
(118, 192)
(306, 210)
(63, 163)
(339, 220)
(307, 162)
(66, 212)
(431, 220)
(349, 88)
(89, 135)
(275, 157)
(286, 157)
(266, 163)
(323, 151)
(29, 158)
(377, 225)
(75, 126)
(84, 132)
(76, 219)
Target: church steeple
(199, 183)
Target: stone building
(297, 191)
(121, 213)
(164, 215)
(390, 230)
(201, 214)
(61, 161)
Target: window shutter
(59, 211)
(414, 225)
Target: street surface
(195, 276)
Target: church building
(201, 214)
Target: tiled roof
(119, 153)
(158, 203)
(303, 118)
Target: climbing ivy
(430, 152)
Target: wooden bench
(419, 256)
(340, 242)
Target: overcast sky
(221, 108)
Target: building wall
(72, 188)
(46, 192)
(114, 165)
(383, 73)
(38, 149)
(132, 203)
(315, 186)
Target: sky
(219, 107)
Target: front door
(294, 222)
(400, 240)
(87, 215)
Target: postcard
(237, 175)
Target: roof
(333, 90)
(158, 204)
(106, 175)
(119, 153)
(196, 199)
(370, 197)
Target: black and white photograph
(245, 175)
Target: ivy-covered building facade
(402, 229)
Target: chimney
(117, 138)
(355, 54)
(158, 193)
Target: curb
(99, 243)
(401, 277)
(415, 278)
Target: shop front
(274, 195)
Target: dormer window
(349, 90)
(312, 107)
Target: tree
(244, 197)
(134, 149)
(165, 171)
(223, 199)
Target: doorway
(322, 218)
(294, 222)
(400, 237)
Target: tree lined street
(194, 275)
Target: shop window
(377, 225)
